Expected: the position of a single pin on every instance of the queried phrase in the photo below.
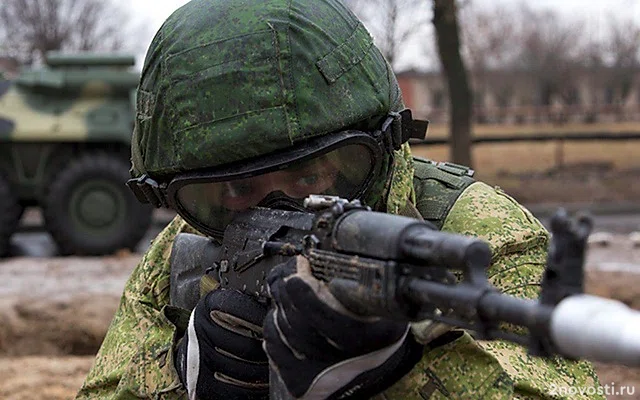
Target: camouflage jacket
(136, 357)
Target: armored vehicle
(65, 131)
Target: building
(579, 95)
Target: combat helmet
(236, 95)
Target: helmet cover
(225, 81)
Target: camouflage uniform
(312, 70)
(136, 357)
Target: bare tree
(445, 21)
(490, 37)
(551, 48)
(544, 49)
(31, 28)
(393, 23)
(620, 55)
(490, 42)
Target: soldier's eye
(308, 180)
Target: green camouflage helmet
(225, 81)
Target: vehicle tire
(89, 210)
(10, 213)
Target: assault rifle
(397, 267)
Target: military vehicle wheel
(89, 210)
(10, 213)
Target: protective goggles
(342, 164)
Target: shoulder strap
(410, 210)
(438, 186)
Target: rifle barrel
(580, 326)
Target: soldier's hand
(221, 355)
(321, 350)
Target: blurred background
(540, 97)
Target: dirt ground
(55, 311)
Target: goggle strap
(147, 190)
(400, 127)
(413, 128)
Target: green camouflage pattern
(400, 188)
(228, 81)
(135, 360)
(72, 98)
(469, 369)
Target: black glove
(321, 350)
(221, 354)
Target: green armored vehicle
(65, 131)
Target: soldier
(245, 103)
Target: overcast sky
(594, 12)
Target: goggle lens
(341, 172)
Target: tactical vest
(437, 184)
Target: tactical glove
(221, 354)
(320, 350)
